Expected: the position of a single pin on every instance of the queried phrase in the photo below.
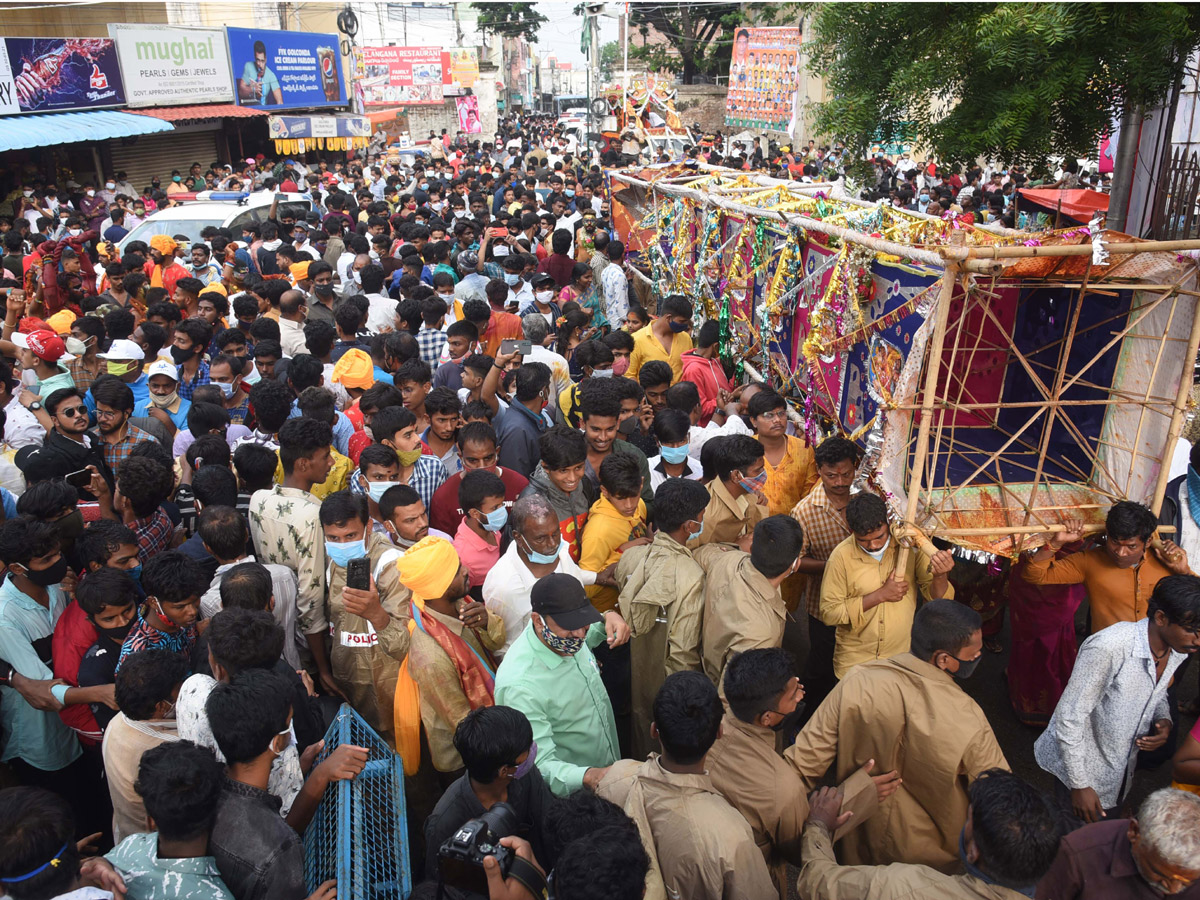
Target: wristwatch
(34, 406)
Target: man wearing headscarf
(450, 657)
(163, 269)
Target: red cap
(45, 345)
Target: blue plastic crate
(359, 834)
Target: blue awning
(18, 133)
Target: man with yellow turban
(450, 658)
(298, 275)
(164, 269)
(355, 372)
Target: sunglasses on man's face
(72, 412)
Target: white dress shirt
(506, 590)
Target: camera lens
(501, 820)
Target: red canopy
(1078, 204)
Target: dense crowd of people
(425, 444)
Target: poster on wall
(468, 115)
(764, 76)
(285, 69)
(60, 74)
(402, 76)
(171, 66)
(463, 70)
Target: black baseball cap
(563, 599)
(542, 278)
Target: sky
(561, 34)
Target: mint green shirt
(565, 702)
(147, 877)
(62, 379)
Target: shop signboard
(402, 76)
(165, 66)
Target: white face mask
(109, 185)
(90, 193)
(544, 296)
(877, 555)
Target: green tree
(510, 20)
(698, 38)
(1017, 82)
(609, 54)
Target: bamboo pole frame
(959, 261)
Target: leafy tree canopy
(510, 20)
(698, 37)
(1010, 81)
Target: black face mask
(789, 725)
(966, 669)
(47, 577)
(180, 355)
(119, 633)
(325, 290)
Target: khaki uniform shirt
(662, 599)
(443, 703)
(726, 519)
(884, 630)
(699, 845)
(758, 783)
(823, 879)
(742, 610)
(909, 716)
(366, 663)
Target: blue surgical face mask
(602, 373)
(569, 192)
(674, 455)
(341, 553)
(136, 573)
(512, 278)
(376, 489)
(679, 327)
(696, 534)
(226, 389)
(544, 559)
(495, 520)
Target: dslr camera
(460, 858)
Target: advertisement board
(402, 76)
(464, 67)
(285, 69)
(60, 74)
(468, 115)
(301, 127)
(764, 75)
(167, 66)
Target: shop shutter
(158, 154)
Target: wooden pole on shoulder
(932, 367)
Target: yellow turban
(215, 288)
(428, 567)
(299, 270)
(163, 244)
(354, 370)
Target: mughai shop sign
(165, 66)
